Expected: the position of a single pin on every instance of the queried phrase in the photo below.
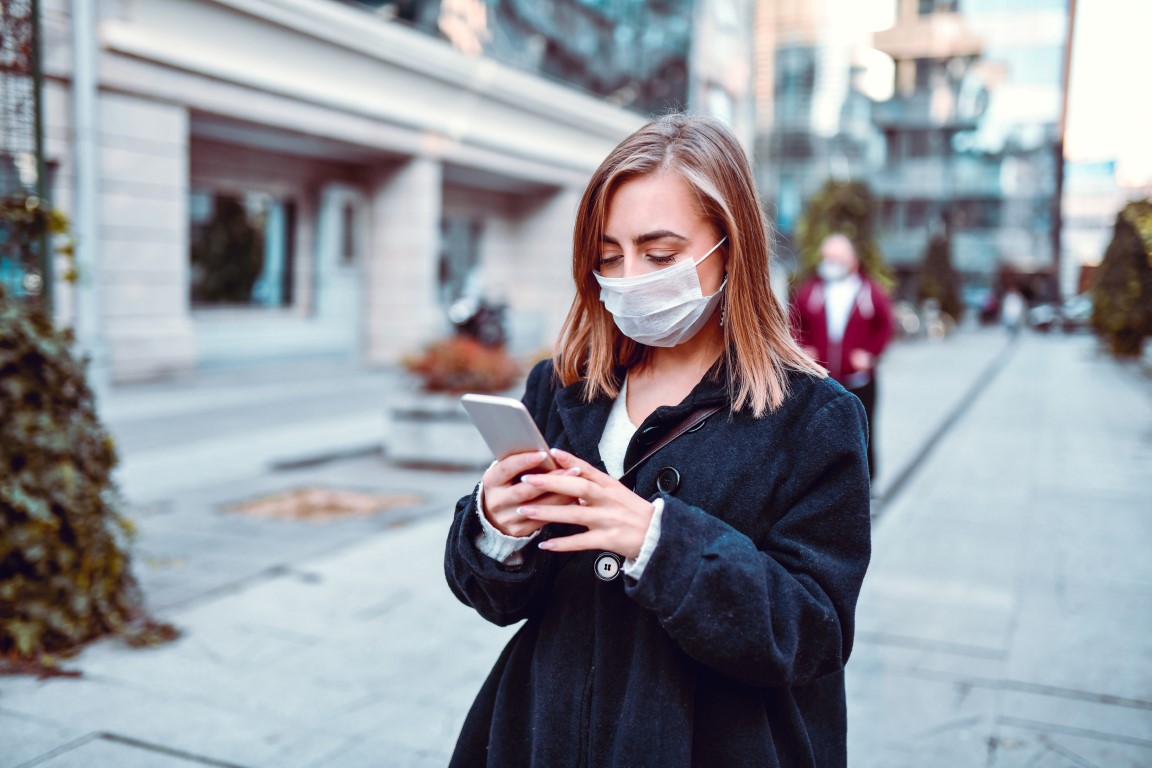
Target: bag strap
(691, 421)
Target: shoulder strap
(693, 419)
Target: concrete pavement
(1006, 619)
(993, 607)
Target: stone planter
(432, 429)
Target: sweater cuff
(496, 545)
(635, 568)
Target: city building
(292, 178)
(813, 121)
(966, 137)
(284, 179)
(1093, 196)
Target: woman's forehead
(661, 200)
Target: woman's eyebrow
(660, 234)
(647, 237)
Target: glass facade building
(951, 114)
(633, 54)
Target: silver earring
(724, 309)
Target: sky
(1109, 110)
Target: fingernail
(525, 511)
(573, 471)
(543, 455)
(558, 453)
(545, 545)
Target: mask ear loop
(713, 250)
(723, 284)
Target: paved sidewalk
(340, 645)
(231, 424)
(1006, 619)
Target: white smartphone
(506, 426)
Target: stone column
(536, 273)
(405, 203)
(143, 214)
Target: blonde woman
(700, 612)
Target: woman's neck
(693, 357)
(671, 373)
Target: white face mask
(831, 271)
(661, 308)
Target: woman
(701, 612)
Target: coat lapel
(583, 422)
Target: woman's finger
(522, 493)
(573, 514)
(568, 460)
(577, 542)
(576, 487)
(511, 467)
(553, 500)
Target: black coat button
(649, 435)
(667, 480)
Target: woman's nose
(633, 265)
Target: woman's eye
(609, 259)
(662, 257)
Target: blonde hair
(758, 347)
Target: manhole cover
(322, 504)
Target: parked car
(1043, 317)
(1076, 313)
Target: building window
(241, 249)
(916, 214)
(348, 234)
(890, 215)
(460, 259)
(979, 213)
(929, 7)
(892, 142)
(795, 75)
(919, 143)
(924, 70)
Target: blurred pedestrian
(1012, 308)
(687, 575)
(844, 319)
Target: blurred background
(279, 183)
(284, 234)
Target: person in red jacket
(843, 318)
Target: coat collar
(584, 421)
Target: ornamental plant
(1122, 284)
(462, 363)
(938, 278)
(65, 576)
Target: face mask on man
(661, 308)
(831, 271)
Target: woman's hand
(503, 494)
(861, 360)
(617, 519)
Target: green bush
(1122, 285)
(65, 576)
(938, 278)
(848, 208)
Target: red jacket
(869, 328)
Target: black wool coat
(730, 648)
